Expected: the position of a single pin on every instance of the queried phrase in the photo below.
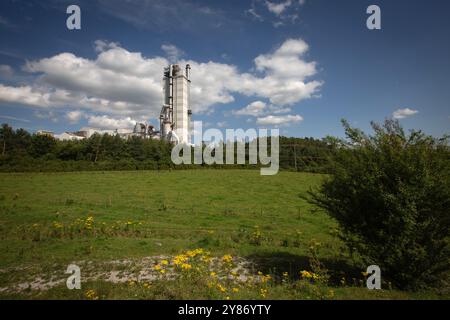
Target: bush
(390, 194)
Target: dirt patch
(114, 271)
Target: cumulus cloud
(278, 8)
(403, 113)
(24, 95)
(75, 116)
(281, 79)
(255, 109)
(259, 108)
(279, 120)
(103, 45)
(105, 122)
(125, 84)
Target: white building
(65, 136)
(175, 117)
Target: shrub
(390, 193)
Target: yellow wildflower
(186, 266)
(180, 259)
(206, 258)
(227, 258)
(157, 267)
(221, 288)
(90, 294)
(306, 274)
(263, 292)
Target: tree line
(22, 151)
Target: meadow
(185, 234)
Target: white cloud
(23, 95)
(283, 79)
(255, 109)
(258, 109)
(103, 45)
(286, 61)
(278, 110)
(254, 14)
(173, 53)
(279, 120)
(127, 84)
(281, 12)
(75, 116)
(403, 113)
(105, 122)
(278, 24)
(278, 8)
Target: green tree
(94, 147)
(6, 136)
(42, 145)
(390, 194)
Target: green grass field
(121, 223)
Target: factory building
(68, 136)
(175, 117)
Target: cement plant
(175, 120)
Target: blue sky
(297, 65)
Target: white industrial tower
(175, 117)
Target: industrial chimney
(175, 114)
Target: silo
(181, 85)
(175, 113)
